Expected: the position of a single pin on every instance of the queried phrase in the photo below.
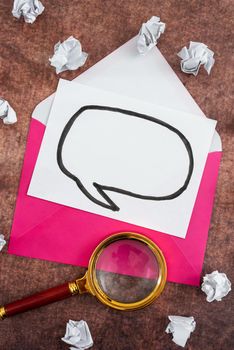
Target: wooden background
(27, 78)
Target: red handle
(49, 296)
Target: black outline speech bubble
(102, 188)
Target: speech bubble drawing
(118, 150)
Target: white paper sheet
(123, 151)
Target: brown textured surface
(27, 78)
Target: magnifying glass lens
(127, 271)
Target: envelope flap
(146, 77)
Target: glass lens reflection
(127, 270)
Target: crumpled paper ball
(78, 335)
(29, 9)
(7, 113)
(196, 55)
(216, 285)
(181, 327)
(2, 242)
(68, 55)
(149, 34)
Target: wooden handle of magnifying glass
(43, 298)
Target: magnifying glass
(126, 271)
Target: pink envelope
(54, 232)
(50, 231)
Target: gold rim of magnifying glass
(105, 299)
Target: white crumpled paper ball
(149, 34)
(196, 55)
(29, 9)
(181, 327)
(68, 55)
(7, 113)
(216, 285)
(2, 242)
(78, 335)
